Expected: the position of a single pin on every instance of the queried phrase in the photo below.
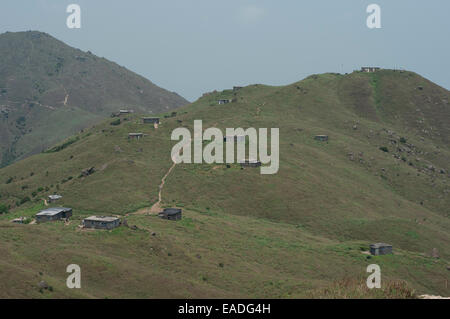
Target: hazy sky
(195, 46)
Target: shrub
(115, 122)
(384, 149)
(9, 180)
(402, 140)
(3, 209)
(62, 146)
(24, 200)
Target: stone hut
(224, 101)
(380, 249)
(101, 222)
(250, 163)
(170, 214)
(123, 112)
(322, 138)
(135, 135)
(53, 198)
(369, 69)
(19, 220)
(54, 213)
(235, 138)
(150, 120)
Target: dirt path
(156, 208)
(66, 97)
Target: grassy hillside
(49, 91)
(382, 176)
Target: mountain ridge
(43, 80)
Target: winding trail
(65, 99)
(156, 208)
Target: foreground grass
(205, 255)
(350, 288)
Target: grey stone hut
(380, 249)
(150, 120)
(250, 163)
(235, 138)
(53, 198)
(135, 135)
(19, 220)
(369, 69)
(101, 222)
(322, 138)
(54, 213)
(122, 112)
(224, 101)
(170, 214)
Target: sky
(197, 46)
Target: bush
(9, 180)
(63, 145)
(24, 200)
(402, 140)
(384, 149)
(3, 209)
(115, 122)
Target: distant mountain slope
(383, 176)
(49, 90)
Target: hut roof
(379, 245)
(53, 211)
(102, 218)
(171, 211)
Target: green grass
(293, 234)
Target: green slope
(43, 80)
(284, 235)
